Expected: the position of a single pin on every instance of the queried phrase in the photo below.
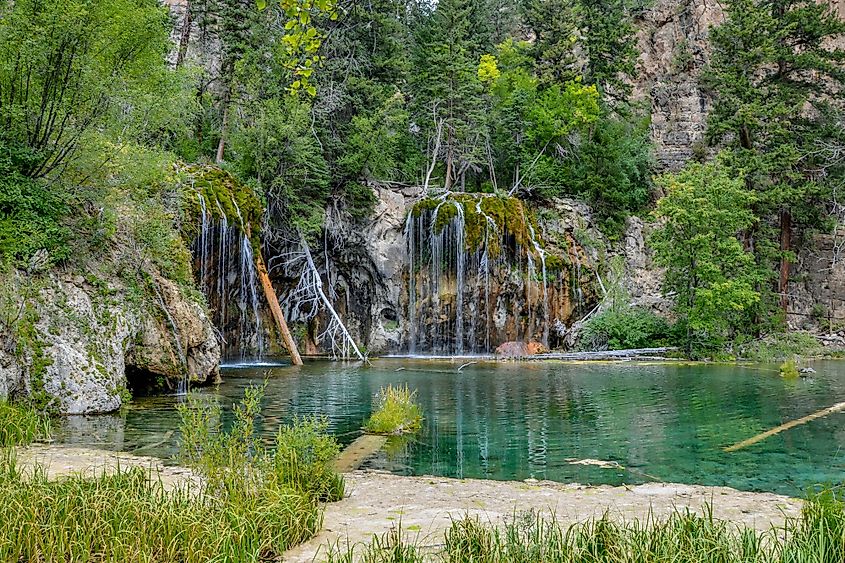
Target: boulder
(520, 349)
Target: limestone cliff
(74, 342)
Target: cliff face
(79, 341)
(672, 40)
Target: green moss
(508, 213)
(238, 201)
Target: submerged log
(838, 407)
(270, 293)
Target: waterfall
(542, 254)
(225, 266)
(473, 279)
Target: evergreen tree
(609, 44)
(448, 93)
(555, 29)
(776, 78)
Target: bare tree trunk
(270, 293)
(434, 153)
(785, 246)
(185, 36)
(221, 146)
(318, 286)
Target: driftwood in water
(838, 407)
(636, 354)
(270, 293)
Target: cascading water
(478, 276)
(225, 264)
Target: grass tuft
(254, 503)
(396, 412)
(21, 425)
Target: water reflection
(515, 421)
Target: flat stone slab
(64, 461)
(426, 506)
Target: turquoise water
(530, 420)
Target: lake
(538, 420)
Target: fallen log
(635, 354)
(270, 293)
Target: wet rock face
(81, 340)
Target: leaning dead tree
(311, 297)
(275, 308)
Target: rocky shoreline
(425, 506)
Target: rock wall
(369, 265)
(77, 337)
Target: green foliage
(304, 459)
(789, 369)
(302, 40)
(32, 218)
(683, 536)
(275, 146)
(713, 277)
(625, 328)
(780, 346)
(20, 425)
(234, 462)
(396, 412)
(776, 76)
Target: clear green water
(525, 420)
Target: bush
(778, 347)
(305, 456)
(625, 328)
(396, 412)
(21, 425)
(236, 461)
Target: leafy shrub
(304, 459)
(776, 347)
(625, 328)
(21, 425)
(396, 412)
(789, 370)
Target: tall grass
(818, 536)
(129, 516)
(396, 412)
(21, 425)
(254, 502)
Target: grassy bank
(254, 503)
(21, 425)
(818, 536)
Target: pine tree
(448, 92)
(777, 78)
